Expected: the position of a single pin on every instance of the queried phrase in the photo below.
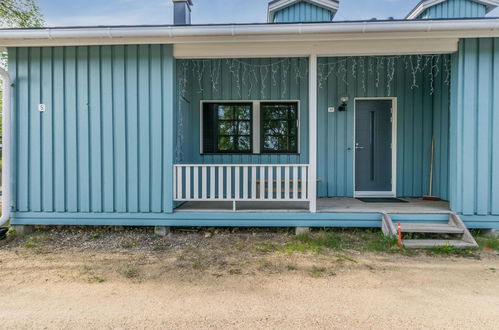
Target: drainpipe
(6, 152)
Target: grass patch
(381, 243)
(317, 271)
(313, 243)
(36, 241)
(132, 272)
(96, 279)
(488, 242)
(265, 247)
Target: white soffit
(324, 48)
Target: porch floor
(324, 205)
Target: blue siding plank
(23, 131)
(168, 79)
(119, 129)
(47, 140)
(95, 117)
(469, 126)
(59, 132)
(35, 173)
(495, 133)
(483, 145)
(71, 136)
(144, 129)
(83, 129)
(156, 130)
(132, 116)
(107, 129)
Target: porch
(287, 135)
(324, 205)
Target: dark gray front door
(373, 140)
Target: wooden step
(430, 228)
(430, 243)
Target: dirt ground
(133, 280)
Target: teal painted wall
(455, 9)
(303, 12)
(474, 157)
(421, 114)
(105, 141)
(241, 79)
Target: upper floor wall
(435, 9)
(287, 11)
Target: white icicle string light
(249, 75)
(374, 67)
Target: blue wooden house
(279, 124)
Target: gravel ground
(122, 278)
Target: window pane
(226, 143)
(275, 127)
(244, 143)
(226, 128)
(276, 143)
(279, 127)
(243, 112)
(244, 128)
(225, 112)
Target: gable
(434, 9)
(281, 11)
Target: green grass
(315, 243)
(381, 243)
(488, 242)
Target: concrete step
(430, 243)
(431, 228)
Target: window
(227, 128)
(279, 127)
(267, 127)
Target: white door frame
(393, 192)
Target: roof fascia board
(281, 4)
(253, 33)
(423, 5)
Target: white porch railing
(226, 182)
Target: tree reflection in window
(279, 127)
(227, 128)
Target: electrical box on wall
(330, 109)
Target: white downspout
(6, 152)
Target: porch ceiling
(323, 48)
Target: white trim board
(423, 5)
(393, 192)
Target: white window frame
(256, 124)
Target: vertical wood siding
(303, 12)
(455, 9)
(287, 85)
(474, 157)
(420, 115)
(104, 143)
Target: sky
(136, 12)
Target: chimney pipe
(182, 12)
